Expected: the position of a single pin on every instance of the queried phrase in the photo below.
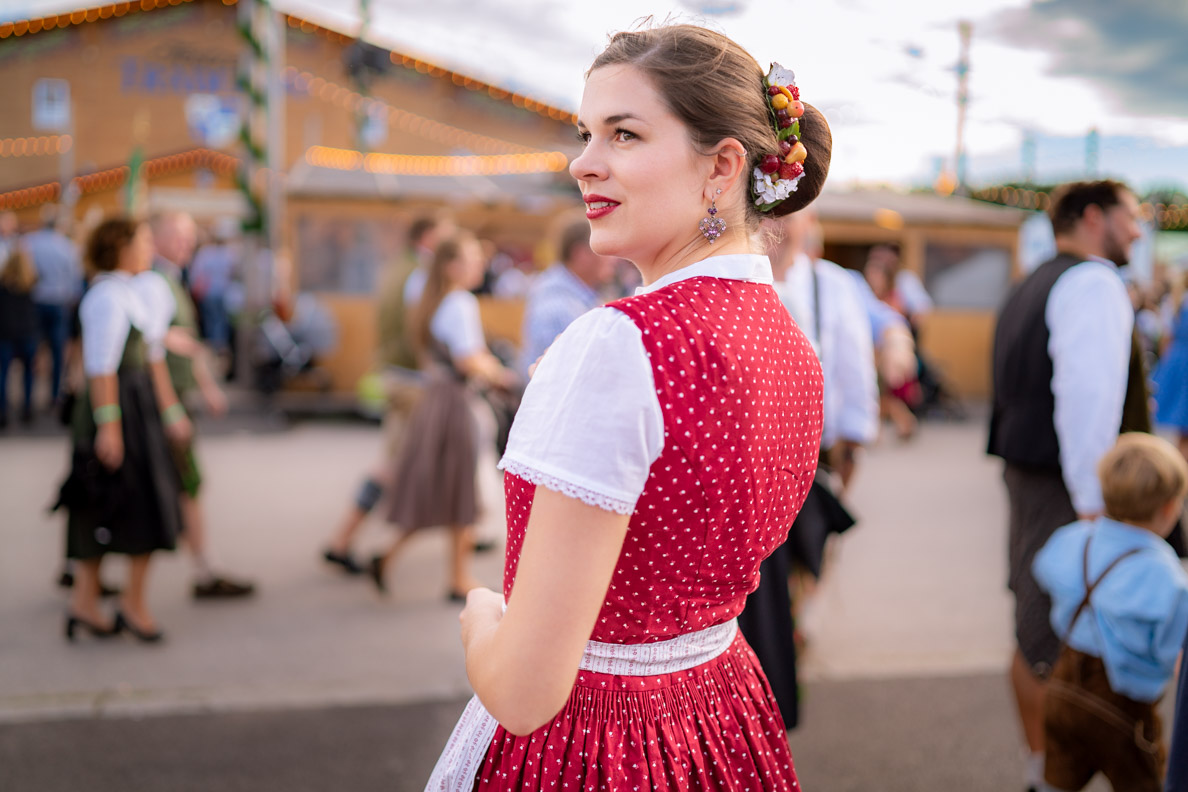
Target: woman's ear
(728, 160)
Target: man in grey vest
(1067, 381)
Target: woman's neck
(670, 261)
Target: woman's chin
(605, 244)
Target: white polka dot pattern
(740, 390)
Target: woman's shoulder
(456, 303)
(599, 339)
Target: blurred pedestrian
(414, 268)
(563, 292)
(1118, 573)
(1170, 378)
(896, 401)
(18, 326)
(1067, 380)
(122, 492)
(662, 449)
(9, 236)
(435, 477)
(398, 373)
(59, 285)
(190, 370)
(210, 278)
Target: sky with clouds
(882, 72)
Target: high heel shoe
(122, 623)
(74, 622)
(375, 570)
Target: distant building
(153, 85)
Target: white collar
(734, 266)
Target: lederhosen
(1088, 726)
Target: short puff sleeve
(590, 423)
(159, 305)
(104, 317)
(458, 324)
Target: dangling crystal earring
(712, 227)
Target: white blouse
(115, 303)
(590, 423)
(457, 324)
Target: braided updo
(715, 88)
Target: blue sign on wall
(138, 75)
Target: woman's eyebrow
(613, 119)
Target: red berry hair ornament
(778, 174)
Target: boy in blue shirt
(1120, 601)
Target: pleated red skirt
(712, 727)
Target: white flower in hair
(778, 75)
(768, 191)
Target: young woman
(435, 478)
(662, 449)
(122, 492)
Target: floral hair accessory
(778, 175)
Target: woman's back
(739, 388)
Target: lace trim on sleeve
(586, 496)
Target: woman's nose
(587, 166)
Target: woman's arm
(486, 368)
(522, 663)
(173, 414)
(109, 433)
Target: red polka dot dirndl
(669, 695)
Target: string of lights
(114, 178)
(35, 146)
(408, 164)
(1168, 217)
(81, 16)
(421, 126)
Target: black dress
(134, 509)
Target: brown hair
(18, 274)
(437, 286)
(108, 241)
(1140, 475)
(1069, 201)
(715, 88)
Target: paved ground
(320, 684)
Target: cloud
(1135, 51)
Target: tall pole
(253, 82)
(275, 207)
(965, 31)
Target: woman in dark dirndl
(435, 478)
(121, 495)
(661, 451)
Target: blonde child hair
(1140, 475)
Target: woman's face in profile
(642, 180)
(468, 269)
(138, 255)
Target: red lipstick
(599, 206)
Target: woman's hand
(483, 611)
(109, 445)
(214, 399)
(180, 431)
